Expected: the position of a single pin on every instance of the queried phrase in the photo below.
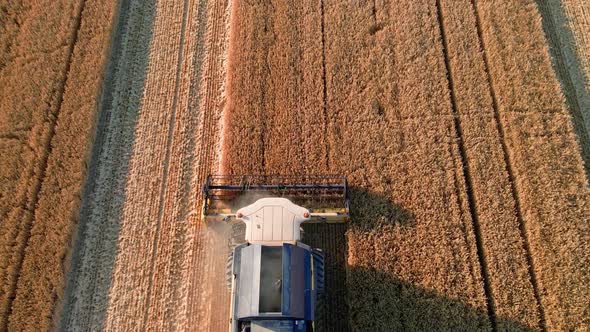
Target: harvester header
(325, 196)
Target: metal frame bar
(332, 187)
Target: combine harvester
(275, 280)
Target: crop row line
(467, 175)
(325, 88)
(509, 168)
(264, 79)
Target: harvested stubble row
(548, 172)
(52, 60)
(189, 263)
(207, 305)
(86, 301)
(137, 221)
(143, 261)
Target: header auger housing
(325, 196)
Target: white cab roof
(272, 221)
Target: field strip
(534, 281)
(294, 111)
(18, 214)
(103, 120)
(208, 95)
(467, 174)
(494, 205)
(144, 181)
(509, 169)
(242, 131)
(168, 308)
(59, 199)
(166, 166)
(87, 294)
(394, 269)
(565, 35)
(106, 214)
(548, 174)
(170, 268)
(411, 242)
(283, 45)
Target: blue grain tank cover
(299, 294)
(277, 282)
(279, 325)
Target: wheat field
(461, 126)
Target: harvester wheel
(229, 273)
(320, 323)
(237, 236)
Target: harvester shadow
(94, 245)
(368, 211)
(379, 301)
(365, 299)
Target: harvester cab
(275, 279)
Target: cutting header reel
(326, 197)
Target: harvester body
(275, 279)
(275, 288)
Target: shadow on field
(381, 302)
(365, 299)
(568, 69)
(95, 243)
(332, 313)
(368, 211)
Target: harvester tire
(229, 273)
(237, 236)
(320, 323)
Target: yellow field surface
(461, 127)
